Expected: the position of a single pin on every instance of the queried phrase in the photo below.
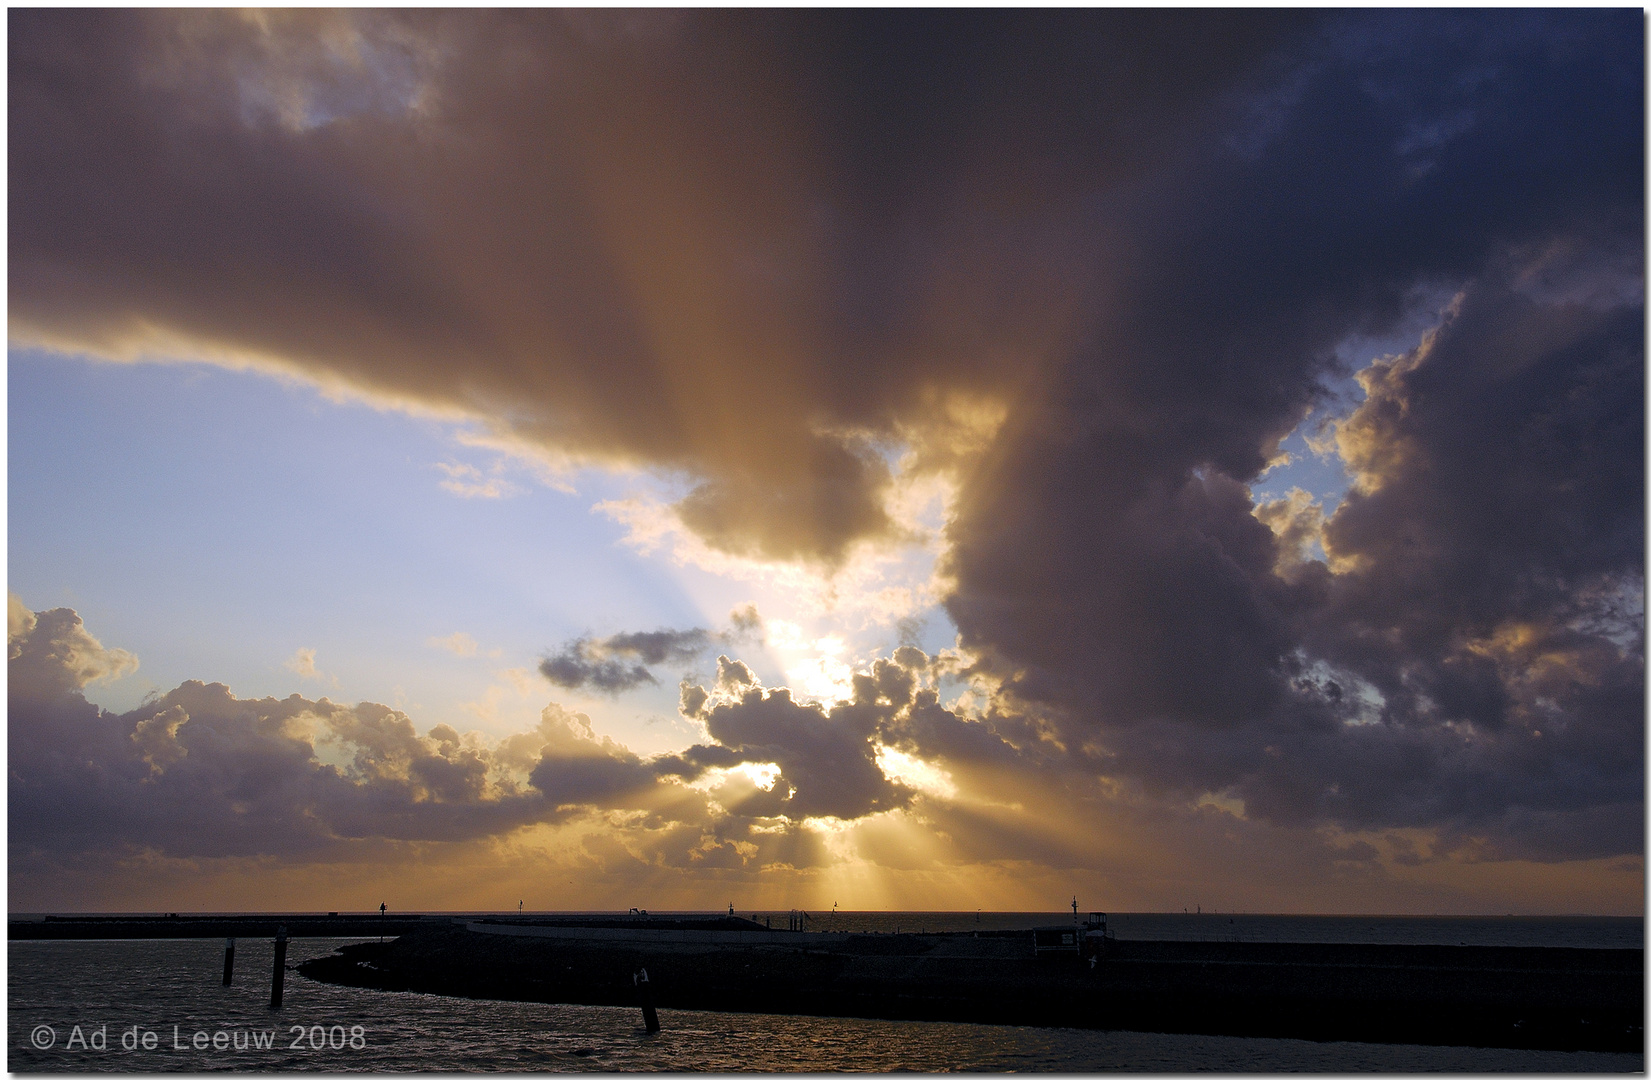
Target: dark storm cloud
(1497, 537)
(1478, 664)
(735, 244)
(758, 250)
(1112, 571)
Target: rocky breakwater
(1570, 999)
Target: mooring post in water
(229, 960)
(280, 973)
(646, 993)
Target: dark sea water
(161, 998)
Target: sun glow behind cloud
(824, 620)
(876, 583)
(915, 773)
(814, 667)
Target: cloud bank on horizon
(1084, 271)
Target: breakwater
(1538, 998)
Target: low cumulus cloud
(621, 662)
(64, 657)
(891, 779)
(200, 772)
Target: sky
(892, 459)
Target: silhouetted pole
(280, 973)
(649, 1018)
(229, 960)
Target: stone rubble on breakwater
(1537, 998)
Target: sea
(158, 1005)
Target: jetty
(1057, 976)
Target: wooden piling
(649, 1018)
(280, 973)
(229, 960)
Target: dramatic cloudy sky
(899, 459)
